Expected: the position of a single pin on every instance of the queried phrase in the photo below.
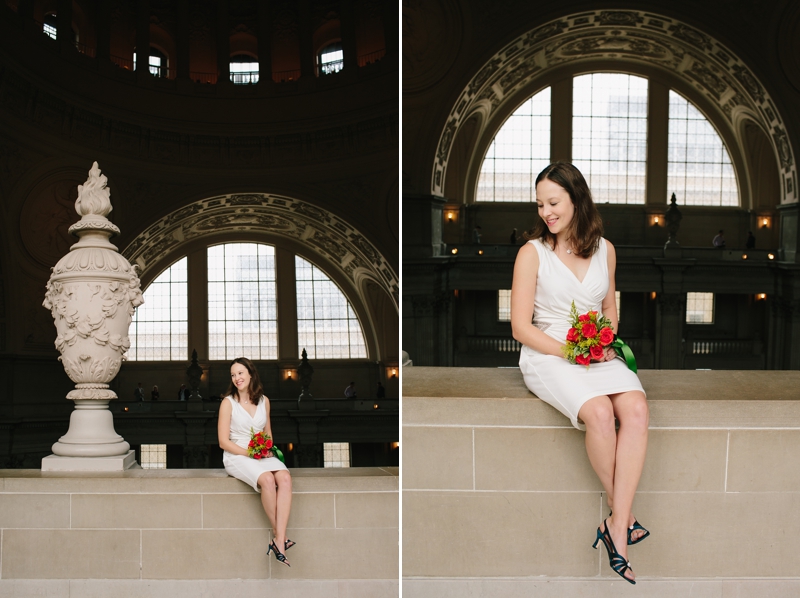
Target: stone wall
(499, 486)
(172, 533)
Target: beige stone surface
(367, 509)
(34, 588)
(319, 554)
(528, 411)
(34, 510)
(244, 511)
(685, 460)
(559, 588)
(717, 535)
(498, 534)
(136, 511)
(436, 457)
(547, 459)
(658, 384)
(70, 554)
(764, 461)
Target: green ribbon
(277, 452)
(624, 351)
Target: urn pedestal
(92, 294)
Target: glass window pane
(327, 326)
(242, 301)
(159, 327)
(609, 135)
(519, 152)
(699, 168)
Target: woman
(245, 408)
(565, 260)
(154, 394)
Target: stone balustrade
(499, 499)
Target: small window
(154, 456)
(336, 454)
(50, 26)
(331, 59)
(157, 63)
(503, 305)
(244, 69)
(618, 298)
(699, 308)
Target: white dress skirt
(553, 379)
(243, 467)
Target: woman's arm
(224, 430)
(523, 289)
(609, 305)
(268, 426)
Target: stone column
(64, 34)
(307, 66)
(183, 71)
(348, 28)
(92, 294)
(223, 43)
(669, 331)
(103, 29)
(264, 33)
(143, 40)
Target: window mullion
(287, 305)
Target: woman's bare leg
(284, 506)
(268, 496)
(630, 409)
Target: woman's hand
(609, 354)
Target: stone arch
(714, 74)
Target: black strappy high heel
(616, 561)
(287, 544)
(636, 526)
(279, 556)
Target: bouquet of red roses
(589, 335)
(261, 445)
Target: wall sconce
(771, 256)
(656, 219)
(290, 446)
(289, 374)
(391, 372)
(744, 256)
(764, 221)
(394, 445)
(125, 409)
(761, 297)
(454, 251)
(451, 216)
(652, 295)
(480, 251)
(375, 406)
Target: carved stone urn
(92, 293)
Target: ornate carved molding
(325, 233)
(631, 36)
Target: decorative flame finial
(94, 198)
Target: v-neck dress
(242, 467)
(553, 379)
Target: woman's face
(240, 377)
(555, 205)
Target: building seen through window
(699, 308)
(336, 454)
(244, 69)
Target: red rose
(572, 335)
(592, 313)
(269, 443)
(582, 359)
(252, 444)
(596, 352)
(589, 330)
(257, 456)
(606, 336)
(583, 318)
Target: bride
(566, 259)
(245, 408)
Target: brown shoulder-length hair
(586, 227)
(255, 389)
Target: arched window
(50, 25)
(609, 124)
(519, 152)
(330, 59)
(244, 69)
(242, 310)
(699, 168)
(157, 63)
(242, 301)
(159, 328)
(327, 326)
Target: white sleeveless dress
(553, 379)
(242, 467)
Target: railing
(366, 59)
(328, 68)
(500, 344)
(210, 78)
(85, 50)
(244, 77)
(124, 63)
(711, 347)
(283, 76)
